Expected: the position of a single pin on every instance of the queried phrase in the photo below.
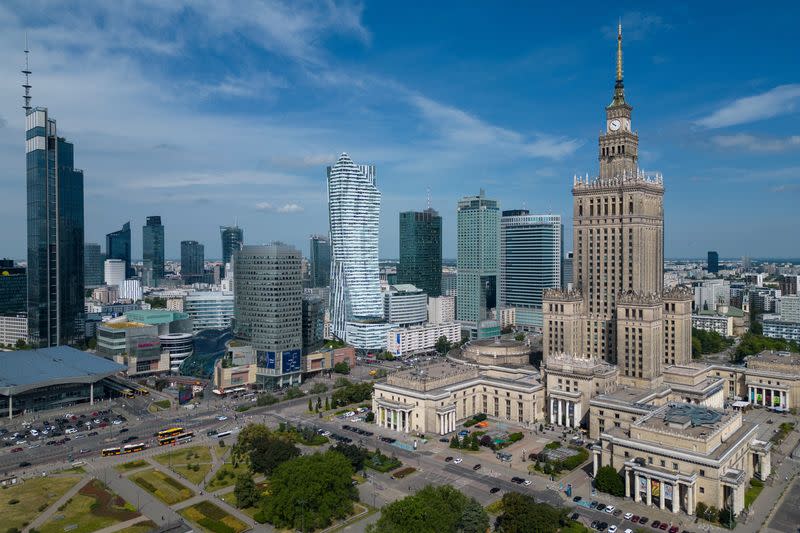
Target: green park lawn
(192, 463)
(225, 476)
(131, 465)
(93, 507)
(212, 518)
(32, 497)
(162, 486)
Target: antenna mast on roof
(27, 84)
(429, 197)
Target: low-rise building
(133, 344)
(405, 305)
(433, 399)
(778, 329)
(421, 338)
(711, 321)
(679, 454)
(236, 369)
(326, 359)
(13, 328)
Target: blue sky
(207, 112)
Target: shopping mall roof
(24, 370)
(155, 316)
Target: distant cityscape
(641, 380)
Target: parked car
(609, 509)
(446, 459)
(574, 516)
(494, 490)
(23, 464)
(576, 499)
(612, 529)
(477, 467)
(457, 460)
(628, 516)
(601, 507)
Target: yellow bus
(169, 432)
(111, 451)
(181, 437)
(130, 448)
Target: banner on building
(668, 492)
(655, 488)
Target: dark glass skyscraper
(55, 235)
(118, 246)
(152, 251)
(421, 251)
(320, 259)
(92, 265)
(713, 262)
(192, 261)
(232, 240)
(13, 292)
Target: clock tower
(619, 145)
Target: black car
(123, 430)
(517, 480)
(476, 467)
(602, 526)
(345, 426)
(594, 524)
(574, 516)
(443, 439)
(494, 490)
(448, 459)
(576, 499)
(92, 433)
(368, 433)
(643, 520)
(601, 507)
(23, 464)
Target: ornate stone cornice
(561, 294)
(634, 297)
(678, 292)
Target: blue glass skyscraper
(152, 251)
(55, 234)
(118, 246)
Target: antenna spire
(619, 87)
(428, 198)
(27, 84)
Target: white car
(609, 509)
(362, 409)
(612, 529)
(326, 433)
(34, 433)
(526, 482)
(116, 422)
(628, 516)
(629, 530)
(349, 413)
(222, 418)
(355, 419)
(70, 431)
(457, 460)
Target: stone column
(595, 462)
(661, 500)
(10, 407)
(567, 421)
(408, 421)
(676, 498)
(577, 413)
(649, 499)
(452, 421)
(636, 496)
(559, 413)
(439, 424)
(91, 393)
(690, 499)
(552, 411)
(627, 478)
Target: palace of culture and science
(617, 361)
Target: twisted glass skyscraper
(55, 235)
(356, 305)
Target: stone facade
(497, 351)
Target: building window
(702, 472)
(702, 490)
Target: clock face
(614, 125)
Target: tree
(310, 491)
(726, 518)
(473, 518)
(245, 491)
(697, 348)
(519, 337)
(270, 453)
(319, 388)
(520, 511)
(248, 437)
(21, 344)
(433, 510)
(327, 404)
(608, 480)
(370, 417)
(310, 406)
(319, 403)
(700, 510)
(442, 345)
(454, 442)
(341, 368)
(294, 392)
(355, 454)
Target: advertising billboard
(184, 395)
(290, 361)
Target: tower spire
(619, 86)
(27, 84)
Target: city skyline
(731, 126)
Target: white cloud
(290, 208)
(756, 144)
(462, 129)
(778, 101)
(264, 206)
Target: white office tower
(131, 289)
(114, 272)
(356, 303)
